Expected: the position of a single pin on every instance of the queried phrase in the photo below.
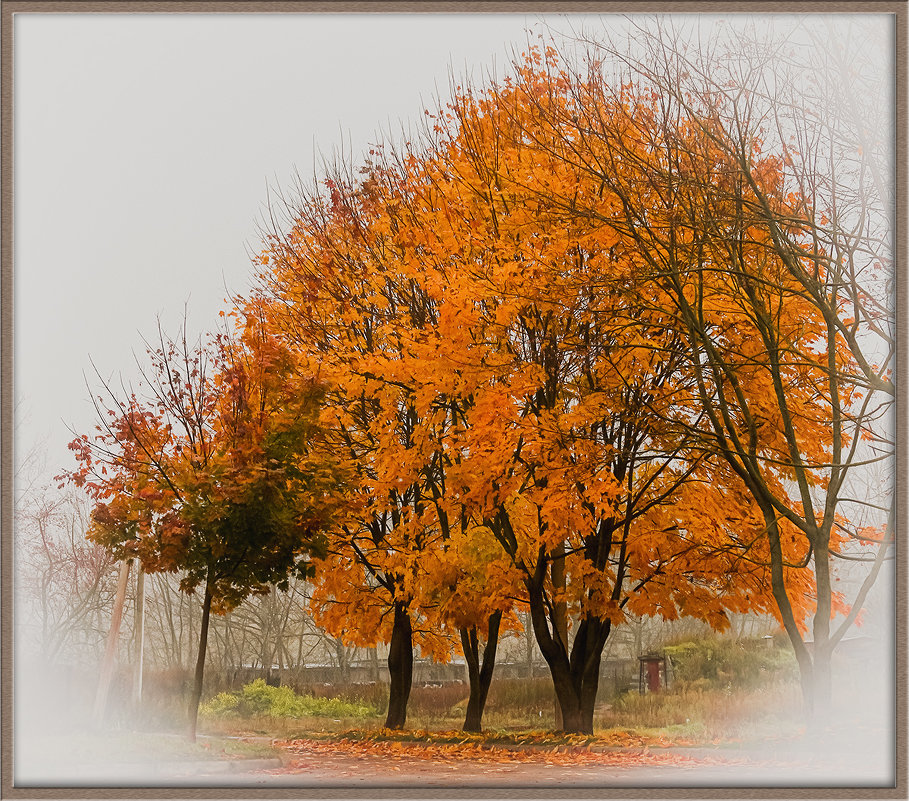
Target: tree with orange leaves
(573, 443)
(333, 293)
(769, 255)
(338, 293)
(495, 353)
(631, 326)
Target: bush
(259, 699)
(726, 663)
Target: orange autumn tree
(349, 291)
(497, 352)
(209, 473)
(769, 252)
(337, 296)
(575, 447)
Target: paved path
(413, 770)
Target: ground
(407, 761)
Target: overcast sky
(144, 146)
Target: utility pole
(140, 635)
(107, 664)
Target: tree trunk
(803, 657)
(821, 687)
(569, 701)
(343, 661)
(528, 642)
(374, 659)
(196, 695)
(822, 651)
(479, 676)
(110, 651)
(400, 668)
(140, 636)
(575, 674)
(576, 687)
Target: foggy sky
(144, 149)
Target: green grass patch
(260, 700)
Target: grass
(686, 715)
(707, 715)
(259, 699)
(722, 691)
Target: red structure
(653, 675)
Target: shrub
(222, 705)
(727, 663)
(259, 699)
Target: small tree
(340, 298)
(211, 474)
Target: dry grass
(685, 715)
(707, 715)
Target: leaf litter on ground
(495, 748)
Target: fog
(147, 148)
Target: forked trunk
(576, 687)
(575, 674)
(571, 717)
(479, 675)
(196, 695)
(400, 668)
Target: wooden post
(107, 664)
(140, 634)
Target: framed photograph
(453, 399)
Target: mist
(148, 149)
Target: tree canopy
(595, 343)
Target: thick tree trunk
(590, 676)
(479, 676)
(200, 666)
(575, 674)
(400, 668)
(569, 700)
